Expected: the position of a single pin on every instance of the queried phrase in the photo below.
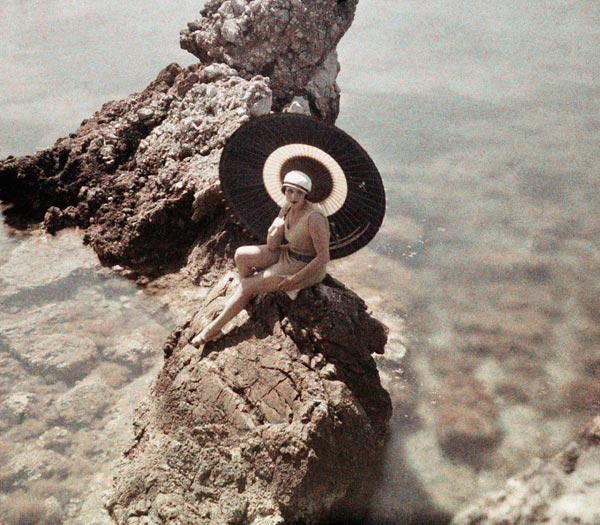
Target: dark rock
(250, 429)
(140, 175)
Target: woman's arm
(318, 228)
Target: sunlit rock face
(281, 421)
(289, 41)
(137, 173)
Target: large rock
(566, 489)
(289, 41)
(282, 420)
(136, 173)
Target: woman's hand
(278, 223)
(288, 283)
(275, 234)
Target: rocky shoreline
(140, 179)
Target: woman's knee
(241, 255)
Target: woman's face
(294, 195)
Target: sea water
(484, 122)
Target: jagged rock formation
(564, 490)
(291, 42)
(281, 421)
(136, 173)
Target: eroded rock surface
(282, 420)
(136, 173)
(286, 40)
(566, 489)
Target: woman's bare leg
(249, 257)
(266, 281)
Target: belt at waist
(300, 257)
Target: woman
(296, 264)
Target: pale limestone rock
(288, 41)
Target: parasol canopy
(346, 185)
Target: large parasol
(346, 183)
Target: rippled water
(484, 121)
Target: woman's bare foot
(208, 334)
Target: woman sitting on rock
(288, 267)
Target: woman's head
(298, 180)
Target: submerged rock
(566, 489)
(466, 418)
(282, 420)
(81, 405)
(60, 356)
(32, 465)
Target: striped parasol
(347, 186)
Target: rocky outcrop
(136, 173)
(566, 489)
(141, 175)
(282, 420)
(290, 42)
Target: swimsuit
(299, 249)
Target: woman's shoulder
(315, 215)
(312, 209)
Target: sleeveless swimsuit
(299, 250)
